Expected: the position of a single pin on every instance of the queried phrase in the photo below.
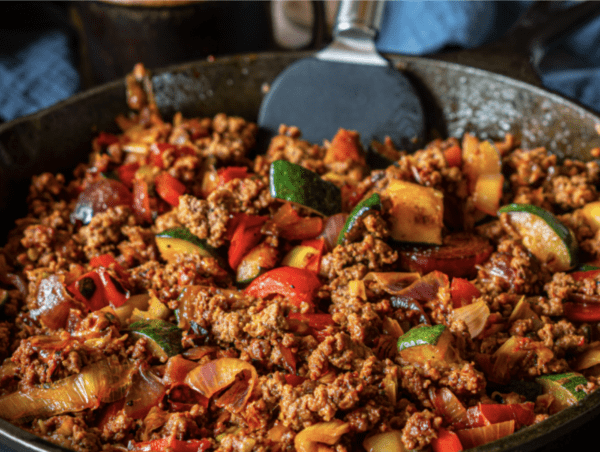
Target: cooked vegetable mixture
(176, 294)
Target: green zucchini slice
(564, 389)
(544, 236)
(423, 344)
(296, 184)
(261, 258)
(164, 338)
(180, 240)
(373, 202)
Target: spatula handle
(360, 17)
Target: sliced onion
(390, 387)
(478, 436)
(392, 282)
(332, 228)
(53, 303)
(392, 327)
(217, 375)
(385, 442)
(505, 358)
(309, 439)
(589, 358)
(475, 315)
(104, 381)
(98, 197)
(146, 391)
(448, 405)
(197, 353)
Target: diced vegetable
(89, 290)
(125, 311)
(306, 255)
(345, 146)
(475, 315)
(332, 228)
(169, 188)
(141, 201)
(453, 156)
(156, 309)
(171, 444)
(506, 357)
(309, 439)
(179, 240)
(463, 292)
(416, 212)
(544, 235)
(260, 259)
(216, 375)
(164, 338)
(589, 358)
(53, 303)
(145, 392)
(423, 344)
(98, 197)
(488, 191)
(478, 436)
(373, 202)
(479, 158)
(456, 257)
(591, 212)
(493, 413)
(582, 312)
(449, 407)
(103, 381)
(446, 441)
(232, 172)
(126, 173)
(177, 369)
(385, 442)
(246, 235)
(565, 388)
(291, 182)
(296, 284)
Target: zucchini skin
(373, 202)
(296, 184)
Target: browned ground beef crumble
(349, 373)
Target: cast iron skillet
(457, 99)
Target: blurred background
(52, 50)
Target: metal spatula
(349, 85)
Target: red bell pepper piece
(246, 236)
(156, 152)
(114, 291)
(141, 201)
(232, 172)
(493, 413)
(305, 228)
(108, 261)
(294, 380)
(446, 441)
(462, 292)
(297, 284)
(169, 188)
(127, 173)
(453, 156)
(581, 275)
(314, 264)
(344, 146)
(89, 290)
(582, 312)
(316, 321)
(171, 444)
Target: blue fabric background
(38, 53)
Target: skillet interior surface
(457, 99)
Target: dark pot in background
(116, 34)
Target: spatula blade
(321, 96)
